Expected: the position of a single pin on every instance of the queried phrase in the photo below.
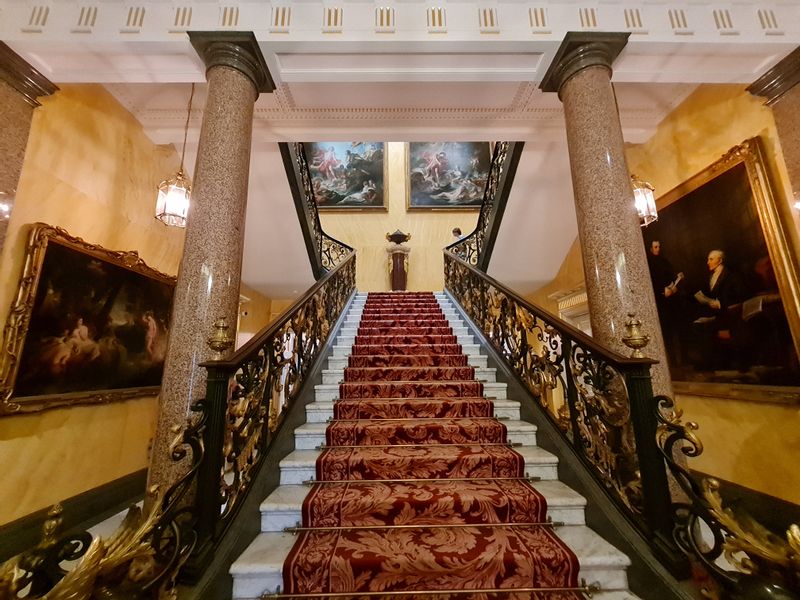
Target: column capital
(22, 77)
(580, 50)
(773, 84)
(235, 49)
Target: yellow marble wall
(90, 169)
(746, 442)
(366, 232)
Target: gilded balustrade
(139, 561)
(581, 387)
(470, 247)
(330, 250)
(765, 565)
(249, 393)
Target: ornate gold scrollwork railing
(330, 250)
(767, 566)
(599, 400)
(249, 393)
(475, 248)
(139, 561)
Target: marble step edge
(463, 338)
(342, 350)
(330, 391)
(300, 465)
(351, 330)
(259, 569)
(479, 361)
(486, 375)
(283, 507)
(358, 313)
(310, 435)
(322, 410)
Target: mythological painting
(447, 175)
(88, 325)
(722, 277)
(347, 175)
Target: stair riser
(330, 377)
(320, 412)
(274, 520)
(342, 351)
(449, 313)
(352, 331)
(330, 392)
(312, 441)
(477, 361)
(293, 473)
(349, 340)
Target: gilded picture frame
(731, 323)
(446, 176)
(88, 325)
(348, 176)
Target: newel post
(656, 497)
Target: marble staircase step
(259, 569)
(322, 410)
(331, 376)
(282, 508)
(300, 465)
(311, 435)
(341, 350)
(330, 391)
(479, 361)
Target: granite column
(210, 270)
(780, 86)
(20, 87)
(614, 260)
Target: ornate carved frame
(19, 318)
(784, 251)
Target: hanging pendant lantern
(175, 193)
(645, 200)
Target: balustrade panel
(581, 387)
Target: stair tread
(511, 425)
(290, 497)
(531, 454)
(268, 551)
(328, 404)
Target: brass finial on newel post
(220, 341)
(635, 339)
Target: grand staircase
(413, 472)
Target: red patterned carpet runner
(419, 489)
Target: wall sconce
(175, 193)
(645, 200)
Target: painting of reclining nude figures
(717, 281)
(98, 320)
(347, 175)
(447, 174)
